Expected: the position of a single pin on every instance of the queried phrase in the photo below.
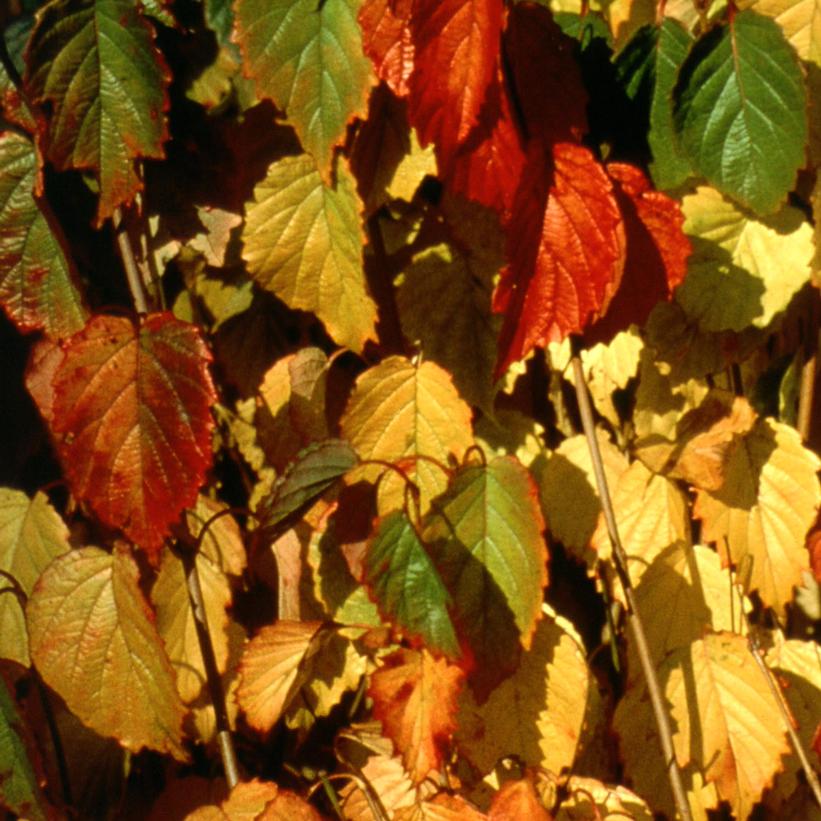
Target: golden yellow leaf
(398, 411)
(412, 169)
(511, 433)
(799, 19)
(610, 801)
(764, 510)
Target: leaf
(272, 670)
(31, 535)
(314, 470)
(741, 111)
(589, 796)
(764, 510)
(456, 44)
(308, 60)
(13, 106)
(246, 802)
(414, 696)
(386, 39)
(485, 536)
(743, 270)
(38, 282)
(442, 807)
(565, 250)
(288, 806)
(95, 63)
(800, 22)
(19, 786)
(303, 242)
(517, 799)
(222, 545)
(132, 423)
(728, 724)
(93, 641)
(407, 587)
(538, 714)
(399, 411)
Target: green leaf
(307, 57)
(94, 62)
(407, 586)
(303, 242)
(19, 787)
(31, 535)
(314, 470)
(741, 111)
(94, 642)
(38, 283)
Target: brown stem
(132, 271)
(809, 370)
(634, 620)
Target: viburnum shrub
(409, 410)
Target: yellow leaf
(399, 411)
(222, 545)
(540, 713)
(412, 169)
(511, 433)
(800, 21)
(743, 271)
(303, 242)
(589, 798)
(94, 642)
(31, 535)
(764, 510)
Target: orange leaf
(414, 697)
(517, 799)
(130, 411)
(814, 547)
(442, 807)
(386, 39)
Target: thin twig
(633, 618)
(132, 271)
(212, 675)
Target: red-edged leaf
(457, 44)
(547, 77)
(657, 251)
(414, 697)
(130, 415)
(488, 165)
(386, 39)
(565, 247)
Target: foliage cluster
(297, 294)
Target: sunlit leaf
(93, 641)
(414, 697)
(308, 59)
(517, 799)
(799, 20)
(132, 423)
(31, 535)
(386, 39)
(741, 111)
(95, 63)
(587, 797)
(442, 807)
(303, 242)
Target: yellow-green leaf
(303, 242)
(31, 535)
(94, 642)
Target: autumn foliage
(298, 519)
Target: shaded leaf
(38, 282)
(132, 423)
(414, 697)
(308, 59)
(246, 802)
(517, 799)
(31, 535)
(741, 111)
(303, 242)
(93, 641)
(95, 63)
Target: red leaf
(130, 414)
(457, 45)
(565, 249)
(488, 166)
(415, 698)
(657, 251)
(386, 39)
(546, 75)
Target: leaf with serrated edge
(303, 242)
(414, 697)
(539, 713)
(442, 807)
(95, 62)
(132, 421)
(399, 410)
(586, 796)
(743, 270)
(271, 670)
(800, 20)
(386, 39)
(741, 111)
(308, 59)
(31, 535)
(93, 641)
(406, 585)
(38, 283)
(765, 508)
